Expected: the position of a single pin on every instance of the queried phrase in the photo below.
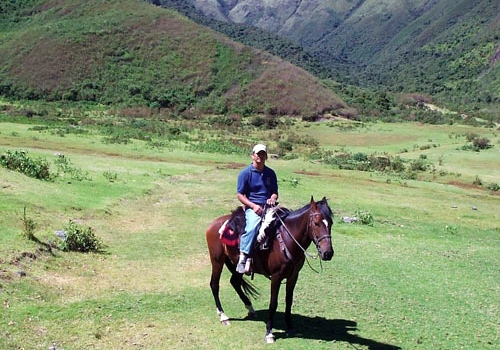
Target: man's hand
(271, 200)
(257, 209)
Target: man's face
(259, 157)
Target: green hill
(446, 51)
(130, 53)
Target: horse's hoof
(269, 338)
(291, 332)
(224, 320)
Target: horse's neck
(298, 227)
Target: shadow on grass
(320, 328)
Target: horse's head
(320, 223)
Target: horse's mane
(323, 206)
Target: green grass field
(425, 275)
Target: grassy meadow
(424, 275)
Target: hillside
(445, 48)
(130, 53)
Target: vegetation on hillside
(258, 38)
(447, 52)
(129, 53)
(445, 49)
(144, 61)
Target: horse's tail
(248, 288)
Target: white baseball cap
(258, 148)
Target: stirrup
(248, 266)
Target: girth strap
(283, 247)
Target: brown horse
(282, 260)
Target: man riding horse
(257, 186)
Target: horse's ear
(313, 203)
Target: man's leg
(247, 238)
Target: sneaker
(240, 268)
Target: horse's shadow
(323, 329)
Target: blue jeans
(251, 230)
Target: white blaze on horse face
(326, 223)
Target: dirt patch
(24, 256)
(472, 186)
(309, 173)
(5, 275)
(465, 185)
(231, 166)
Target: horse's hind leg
(237, 282)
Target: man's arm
(244, 200)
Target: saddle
(232, 229)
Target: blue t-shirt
(257, 186)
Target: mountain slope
(451, 52)
(399, 45)
(131, 53)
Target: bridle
(316, 241)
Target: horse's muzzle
(327, 256)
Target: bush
(493, 187)
(20, 162)
(365, 217)
(481, 143)
(477, 181)
(64, 166)
(417, 165)
(80, 239)
(471, 136)
(29, 227)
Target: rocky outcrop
(288, 18)
(496, 57)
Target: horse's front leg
(273, 306)
(290, 286)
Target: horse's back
(213, 237)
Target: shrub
(450, 230)
(481, 143)
(29, 227)
(284, 147)
(365, 217)
(20, 162)
(64, 166)
(111, 177)
(493, 187)
(218, 146)
(80, 239)
(418, 165)
(477, 181)
(471, 136)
